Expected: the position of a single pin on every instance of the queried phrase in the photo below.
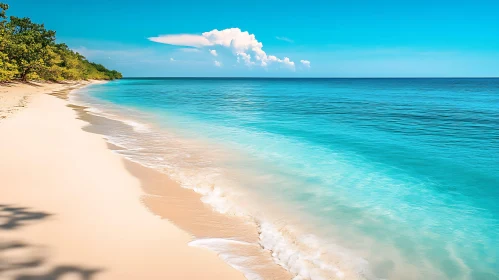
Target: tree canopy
(28, 51)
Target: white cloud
(217, 63)
(189, 50)
(187, 40)
(243, 44)
(172, 59)
(286, 62)
(305, 63)
(214, 52)
(246, 58)
(285, 39)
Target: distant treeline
(28, 51)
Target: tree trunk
(24, 74)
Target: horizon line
(260, 77)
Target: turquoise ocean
(344, 178)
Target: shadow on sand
(12, 217)
(17, 258)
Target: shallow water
(345, 178)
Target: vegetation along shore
(28, 51)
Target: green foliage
(28, 52)
(8, 70)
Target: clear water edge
(362, 172)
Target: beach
(72, 207)
(186, 178)
(329, 178)
(186, 140)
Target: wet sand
(235, 239)
(72, 207)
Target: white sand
(97, 224)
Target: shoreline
(277, 251)
(84, 212)
(234, 240)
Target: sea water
(345, 178)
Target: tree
(8, 70)
(28, 51)
(3, 7)
(28, 45)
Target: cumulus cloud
(305, 63)
(243, 44)
(217, 63)
(286, 62)
(214, 52)
(172, 59)
(245, 57)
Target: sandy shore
(72, 208)
(15, 96)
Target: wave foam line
(305, 257)
(223, 247)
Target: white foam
(305, 256)
(219, 242)
(77, 98)
(302, 255)
(137, 126)
(93, 110)
(222, 247)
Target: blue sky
(355, 38)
